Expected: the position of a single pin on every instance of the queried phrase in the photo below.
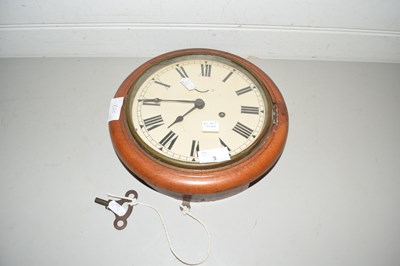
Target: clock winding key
(117, 208)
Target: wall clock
(199, 124)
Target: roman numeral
(162, 84)
(227, 77)
(224, 144)
(205, 70)
(195, 148)
(169, 140)
(242, 130)
(182, 72)
(153, 122)
(244, 90)
(250, 110)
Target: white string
(185, 211)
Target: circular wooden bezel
(201, 184)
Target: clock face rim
(141, 80)
(201, 184)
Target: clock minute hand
(158, 100)
(198, 104)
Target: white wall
(352, 30)
(332, 199)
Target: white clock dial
(194, 106)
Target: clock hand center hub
(199, 103)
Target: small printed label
(214, 155)
(210, 126)
(116, 208)
(115, 108)
(188, 84)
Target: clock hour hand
(198, 104)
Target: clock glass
(198, 111)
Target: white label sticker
(214, 155)
(116, 208)
(210, 126)
(115, 108)
(188, 84)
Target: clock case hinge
(275, 110)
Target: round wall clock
(199, 124)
